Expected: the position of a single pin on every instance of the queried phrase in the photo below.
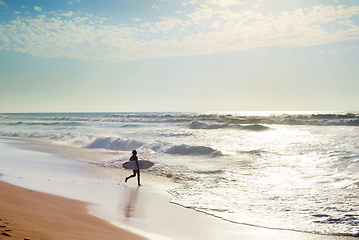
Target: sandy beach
(28, 214)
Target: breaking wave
(201, 125)
(184, 149)
(112, 143)
(252, 127)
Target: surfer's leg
(133, 175)
(138, 178)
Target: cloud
(205, 30)
(80, 19)
(155, 6)
(3, 4)
(167, 24)
(73, 1)
(38, 8)
(224, 3)
(202, 14)
(146, 24)
(68, 14)
(215, 25)
(149, 25)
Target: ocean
(282, 170)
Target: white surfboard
(143, 164)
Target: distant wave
(11, 123)
(184, 149)
(197, 120)
(210, 172)
(38, 135)
(113, 143)
(201, 125)
(41, 123)
(255, 127)
(319, 119)
(253, 152)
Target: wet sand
(28, 214)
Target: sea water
(282, 170)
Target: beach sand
(28, 214)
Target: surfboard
(143, 164)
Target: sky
(179, 55)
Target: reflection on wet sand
(129, 208)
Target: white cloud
(168, 24)
(206, 30)
(230, 15)
(37, 8)
(73, 1)
(152, 30)
(155, 6)
(67, 38)
(68, 14)
(215, 25)
(146, 24)
(80, 19)
(23, 7)
(149, 25)
(16, 12)
(202, 14)
(224, 3)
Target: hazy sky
(179, 55)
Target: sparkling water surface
(283, 170)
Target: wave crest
(201, 125)
(112, 143)
(185, 149)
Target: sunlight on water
(289, 170)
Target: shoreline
(29, 214)
(144, 211)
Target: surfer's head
(134, 152)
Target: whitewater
(282, 170)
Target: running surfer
(135, 171)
